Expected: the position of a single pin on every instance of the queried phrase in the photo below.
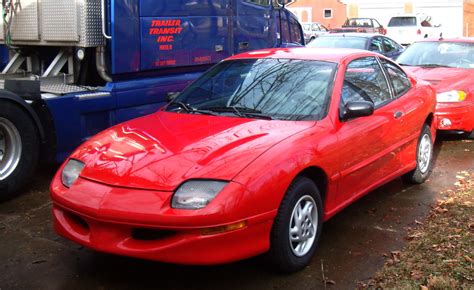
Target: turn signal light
(418, 32)
(223, 229)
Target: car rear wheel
(297, 227)
(424, 158)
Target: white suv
(406, 29)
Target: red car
(250, 158)
(448, 64)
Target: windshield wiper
(191, 110)
(432, 65)
(241, 112)
(405, 64)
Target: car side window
(389, 45)
(400, 81)
(315, 27)
(364, 81)
(376, 45)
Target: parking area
(353, 246)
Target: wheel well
(429, 119)
(319, 177)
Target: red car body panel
(133, 169)
(460, 114)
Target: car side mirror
(357, 109)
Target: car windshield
(339, 42)
(279, 89)
(306, 26)
(439, 54)
(402, 21)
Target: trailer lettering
(167, 62)
(160, 23)
(166, 47)
(165, 38)
(206, 58)
(162, 31)
(165, 31)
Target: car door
(404, 94)
(367, 144)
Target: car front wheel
(297, 227)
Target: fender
(7, 95)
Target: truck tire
(19, 148)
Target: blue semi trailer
(80, 66)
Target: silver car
(313, 30)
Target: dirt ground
(352, 247)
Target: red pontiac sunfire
(250, 158)
(448, 64)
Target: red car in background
(250, 158)
(448, 64)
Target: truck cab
(78, 67)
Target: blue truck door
(253, 25)
(184, 33)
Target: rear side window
(400, 81)
(402, 21)
(364, 81)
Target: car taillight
(418, 32)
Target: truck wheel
(19, 148)
(297, 227)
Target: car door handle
(397, 115)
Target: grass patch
(440, 251)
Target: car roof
(335, 55)
(453, 39)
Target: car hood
(162, 150)
(444, 79)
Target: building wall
(313, 11)
(448, 13)
(469, 18)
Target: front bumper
(455, 116)
(139, 223)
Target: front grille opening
(151, 234)
(78, 221)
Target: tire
(468, 135)
(288, 256)
(424, 158)
(19, 148)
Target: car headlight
(71, 172)
(196, 194)
(451, 96)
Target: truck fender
(7, 95)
